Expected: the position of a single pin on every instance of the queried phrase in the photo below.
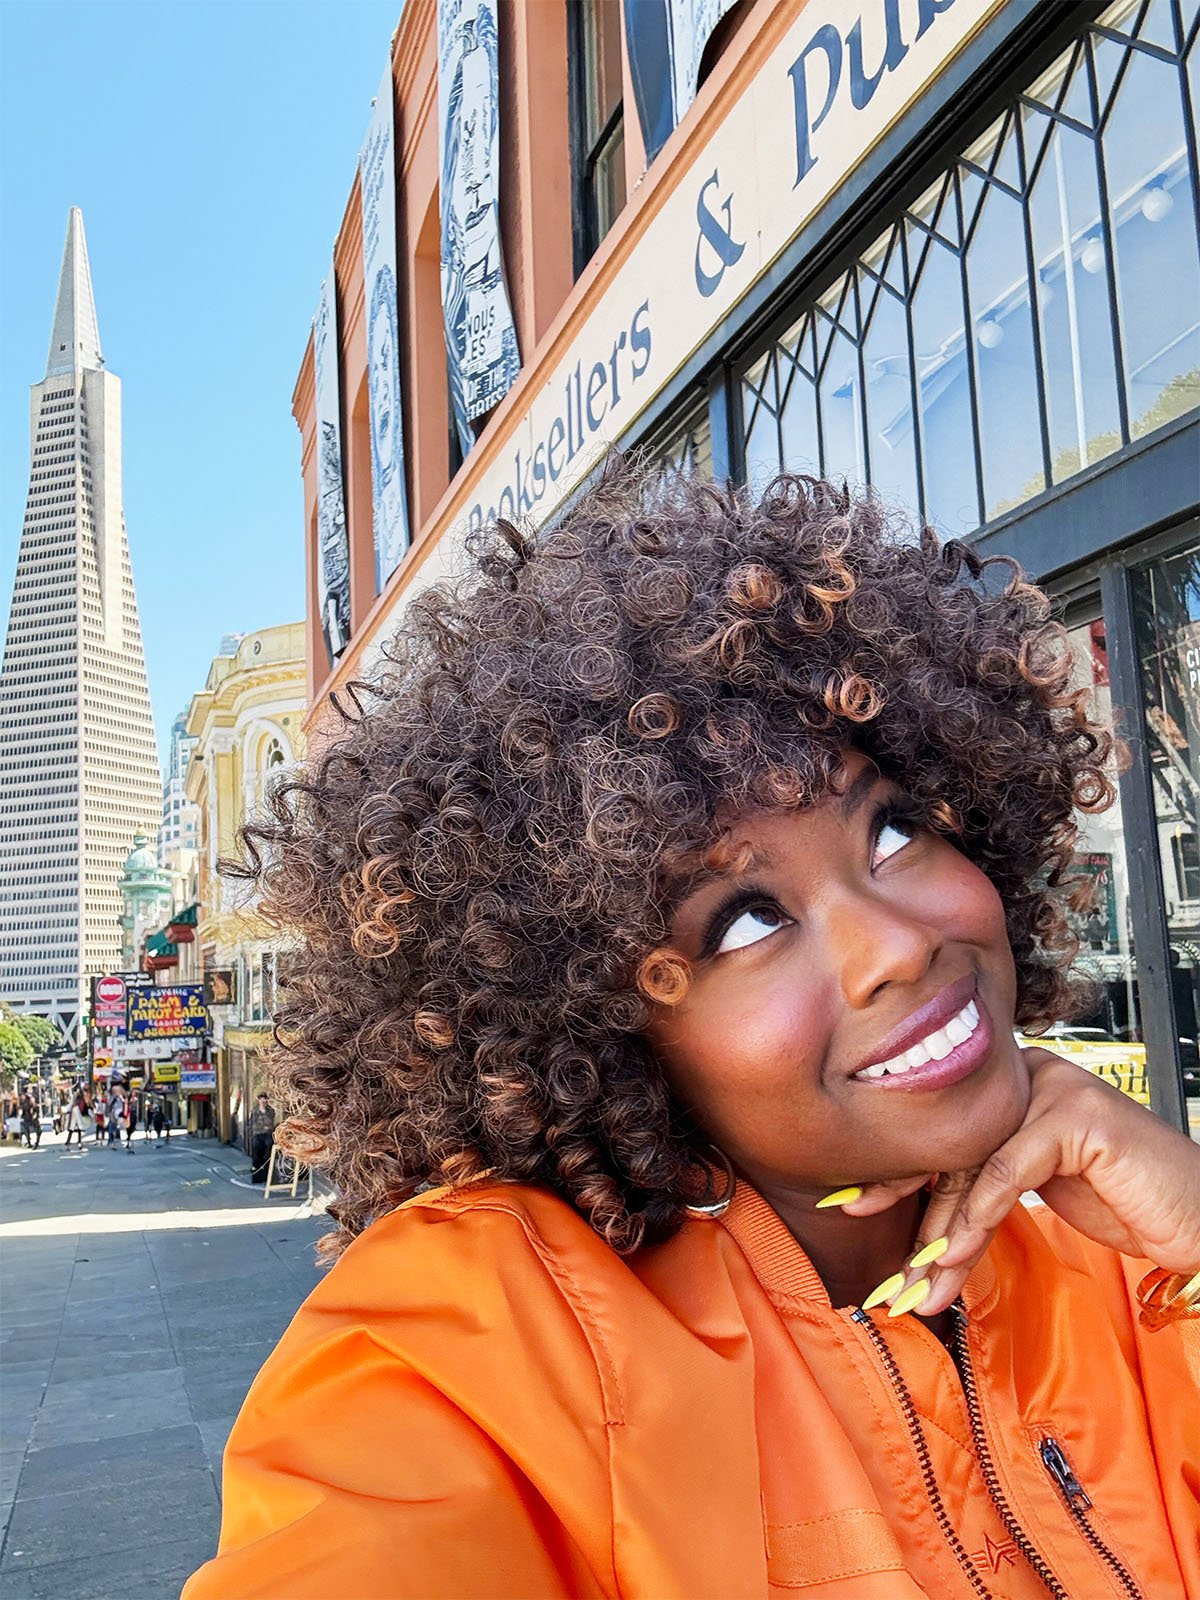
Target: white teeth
(935, 1046)
(956, 1030)
(938, 1044)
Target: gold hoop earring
(718, 1207)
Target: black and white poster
(388, 496)
(665, 42)
(333, 547)
(481, 340)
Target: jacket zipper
(924, 1460)
(983, 1454)
(1078, 1504)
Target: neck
(851, 1255)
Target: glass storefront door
(1166, 597)
(1108, 1039)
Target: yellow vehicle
(1121, 1064)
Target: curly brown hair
(480, 868)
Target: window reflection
(1109, 1038)
(1167, 603)
(688, 450)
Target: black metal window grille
(1036, 310)
(689, 449)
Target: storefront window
(1167, 606)
(1034, 311)
(687, 450)
(1109, 1039)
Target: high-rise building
(78, 768)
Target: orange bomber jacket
(482, 1400)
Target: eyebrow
(762, 860)
(858, 791)
(759, 861)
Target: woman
(115, 1116)
(669, 906)
(77, 1118)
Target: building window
(1166, 594)
(597, 122)
(1011, 327)
(688, 449)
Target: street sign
(167, 1013)
(110, 996)
(152, 1049)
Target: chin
(980, 1128)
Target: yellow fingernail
(933, 1251)
(911, 1298)
(840, 1197)
(884, 1292)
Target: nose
(877, 942)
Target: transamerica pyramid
(78, 766)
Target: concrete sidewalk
(142, 1292)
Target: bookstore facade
(949, 248)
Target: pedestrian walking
(31, 1120)
(77, 1116)
(98, 1112)
(262, 1137)
(158, 1120)
(131, 1121)
(116, 1110)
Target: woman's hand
(1106, 1165)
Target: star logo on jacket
(993, 1555)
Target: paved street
(141, 1293)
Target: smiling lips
(935, 1046)
(941, 1042)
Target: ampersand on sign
(719, 238)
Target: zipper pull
(1056, 1464)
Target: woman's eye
(750, 927)
(893, 836)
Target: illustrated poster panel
(333, 546)
(388, 495)
(481, 341)
(665, 40)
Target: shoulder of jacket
(427, 1279)
(483, 1230)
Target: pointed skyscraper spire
(75, 340)
(79, 775)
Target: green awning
(157, 944)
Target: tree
(39, 1033)
(16, 1053)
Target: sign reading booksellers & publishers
(167, 1013)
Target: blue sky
(211, 145)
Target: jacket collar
(787, 1275)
